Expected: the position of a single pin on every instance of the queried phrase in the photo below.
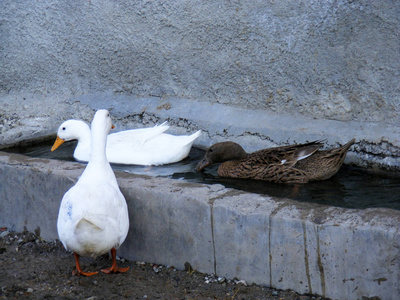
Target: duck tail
(346, 146)
(163, 125)
(340, 151)
(91, 221)
(195, 135)
(189, 140)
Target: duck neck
(84, 139)
(98, 147)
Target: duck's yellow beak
(57, 143)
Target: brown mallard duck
(287, 164)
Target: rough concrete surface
(325, 59)
(333, 252)
(297, 62)
(377, 144)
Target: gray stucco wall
(259, 72)
(325, 60)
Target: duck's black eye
(63, 128)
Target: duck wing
(273, 172)
(325, 163)
(284, 155)
(273, 164)
(167, 148)
(135, 137)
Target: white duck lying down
(145, 146)
(93, 216)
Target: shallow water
(351, 187)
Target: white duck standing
(144, 146)
(93, 216)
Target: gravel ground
(32, 268)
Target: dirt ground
(32, 268)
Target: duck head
(102, 121)
(70, 130)
(221, 152)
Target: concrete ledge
(377, 144)
(334, 252)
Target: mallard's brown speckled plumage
(288, 164)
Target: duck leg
(114, 268)
(78, 270)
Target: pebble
(29, 290)
(221, 279)
(274, 293)
(156, 268)
(241, 281)
(4, 233)
(213, 278)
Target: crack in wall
(261, 136)
(319, 262)
(146, 118)
(382, 149)
(270, 258)
(211, 202)
(383, 154)
(306, 261)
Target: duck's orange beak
(112, 126)
(57, 143)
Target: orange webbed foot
(76, 272)
(114, 268)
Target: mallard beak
(202, 164)
(57, 143)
